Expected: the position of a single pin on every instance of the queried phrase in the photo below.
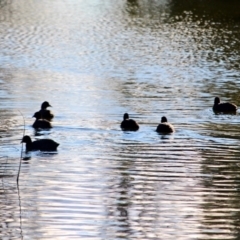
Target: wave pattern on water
(94, 61)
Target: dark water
(93, 61)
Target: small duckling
(42, 144)
(223, 107)
(40, 123)
(45, 113)
(165, 126)
(128, 124)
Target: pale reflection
(221, 202)
(144, 191)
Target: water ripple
(93, 62)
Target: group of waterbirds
(131, 125)
(166, 127)
(44, 116)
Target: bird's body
(128, 124)
(165, 126)
(42, 144)
(44, 112)
(40, 123)
(223, 107)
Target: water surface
(93, 61)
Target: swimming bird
(39, 122)
(165, 126)
(45, 113)
(41, 144)
(223, 107)
(128, 124)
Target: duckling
(129, 124)
(165, 126)
(40, 123)
(224, 107)
(45, 113)
(42, 144)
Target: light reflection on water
(94, 61)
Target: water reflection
(219, 199)
(145, 195)
(207, 9)
(132, 7)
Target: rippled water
(93, 61)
